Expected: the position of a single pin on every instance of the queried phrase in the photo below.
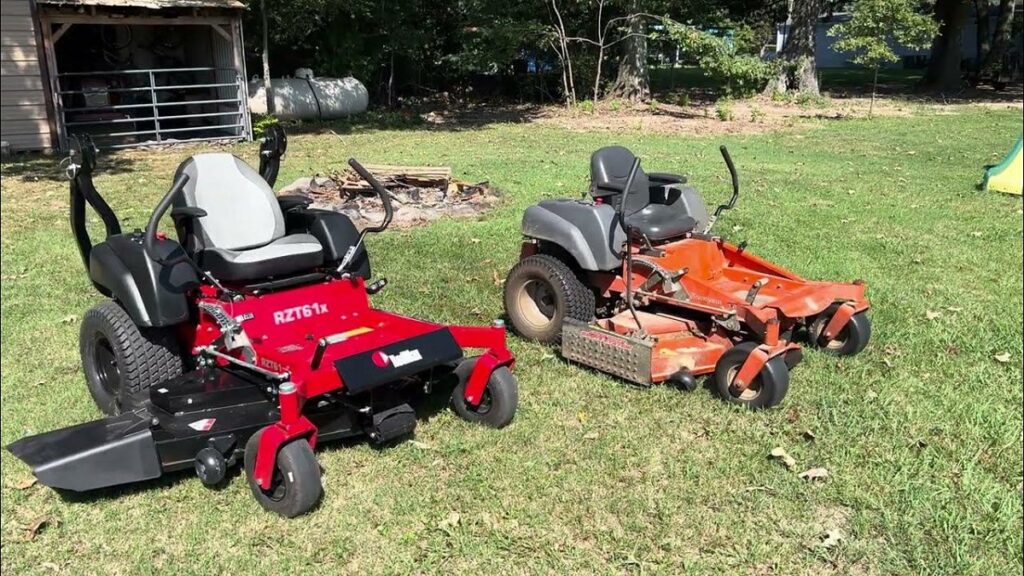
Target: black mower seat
(661, 222)
(242, 236)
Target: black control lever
(735, 190)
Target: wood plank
(20, 68)
(22, 98)
(28, 141)
(21, 83)
(17, 38)
(18, 53)
(15, 8)
(22, 22)
(23, 112)
(15, 127)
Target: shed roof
(149, 4)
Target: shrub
(723, 110)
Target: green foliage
(586, 106)
(615, 105)
(756, 115)
(723, 110)
(260, 123)
(741, 73)
(683, 99)
(876, 26)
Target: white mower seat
(242, 236)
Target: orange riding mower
(633, 283)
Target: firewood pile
(418, 194)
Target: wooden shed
(126, 72)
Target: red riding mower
(251, 337)
(634, 284)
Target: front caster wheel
(768, 388)
(295, 487)
(852, 339)
(498, 405)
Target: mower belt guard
(607, 351)
(115, 450)
(392, 423)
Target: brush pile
(418, 194)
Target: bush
(260, 123)
(723, 110)
(756, 115)
(742, 74)
(586, 106)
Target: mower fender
(839, 320)
(153, 294)
(272, 439)
(589, 232)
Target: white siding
(23, 105)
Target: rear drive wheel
(540, 293)
(498, 405)
(852, 339)
(121, 361)
(295, 487)
(767, 389)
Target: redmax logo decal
(382, 359)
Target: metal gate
(126, 108)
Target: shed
(126, 72)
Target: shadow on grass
(52, 167)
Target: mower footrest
(607, 351)
(115, 450)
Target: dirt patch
(415, 200)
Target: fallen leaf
(976, 234)
(421, 445)
(888, 363)
(780, 454)
(25, 483)
(590, 436)
(474, 240)
(450, 522)
(1003, 358)
(582, 417)
(832, 538)
(38, 525)
(814, 474)
(871, 394)
(496, 278)
(809, 435)
(69, 319)
(954, 309)
(932, 315)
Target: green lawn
(922, 433)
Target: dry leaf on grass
(32, 529)
(809, 435)
(832, 538)
(814, 474)
(25, 483)
(1003, 358)
(781, 455)
(69, 319)
(451, 521)
(932, 315)
(590, 436)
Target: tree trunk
(633, 82)
(943, 71)
(266, 59)
(984, 35)
(1002, 39)
(798, 70)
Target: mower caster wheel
(768, 388)
(541, 292)
(295, 488)
(852, 339)
(684, 380)
(498, 405)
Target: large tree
(633, 81)
(990, 60)
(943, 71)
(797, 69)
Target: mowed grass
(921, 434)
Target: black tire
(852, 339)
(296, 487)
(541, 292)
(498, 406)
(121, 361)
(767, 390)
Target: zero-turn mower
(634, 283)
(250, 338)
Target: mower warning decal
(368, 370)
(204, 425)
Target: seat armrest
(665, 194)
(666, 178)
(293, 202)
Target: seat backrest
(609, 170)
(241, 209)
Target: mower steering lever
(149, 243)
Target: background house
(127, 72)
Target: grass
(921, 434)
